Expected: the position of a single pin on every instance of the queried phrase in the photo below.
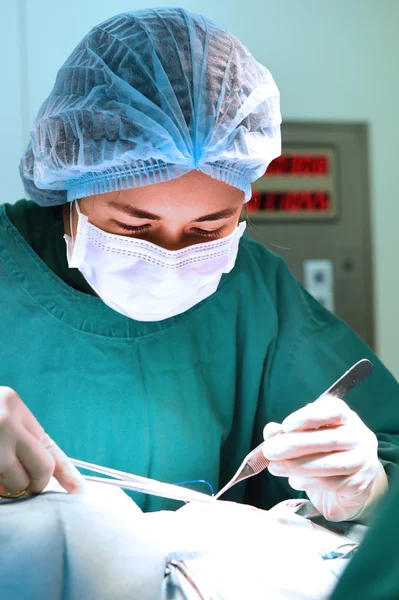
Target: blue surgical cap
(148, 96)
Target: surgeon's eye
(216, 233)
(134, 228)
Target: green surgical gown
(373, 573)
(180, 399)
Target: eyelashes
(132, 228)
(209, 234)
(136, 229)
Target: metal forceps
(256, 461)
(136, 483)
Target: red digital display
(290, 202)
(299, 164)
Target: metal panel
(343, 235)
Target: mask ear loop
(71, 217)
(70, 222)
(78, 243)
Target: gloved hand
(327, 451)
(28, 457)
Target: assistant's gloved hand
(28, 457)
(327, 451)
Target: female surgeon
(140, 329)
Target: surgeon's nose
(173, 239)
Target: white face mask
(142, 280)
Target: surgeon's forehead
(194, 194)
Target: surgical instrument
(255, 461)
(137, 483)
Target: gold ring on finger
(10, 496)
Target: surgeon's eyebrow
(133, 212)
(222, 214)
(143, 214)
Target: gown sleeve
(373, 572)
(311, 349)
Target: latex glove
(327, 451)
(28, 457)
